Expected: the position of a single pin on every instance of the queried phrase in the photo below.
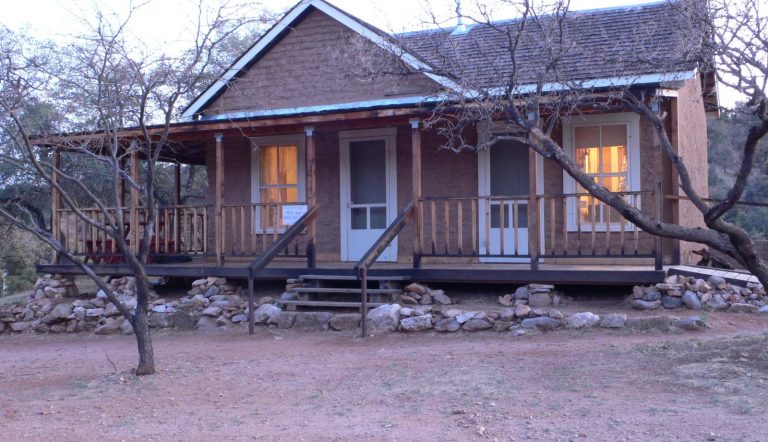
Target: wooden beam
(311, 194)
(533, 211)
(418, 235)
(177, 186)
(56, 205)
(219, 189)
(134, 213)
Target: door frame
(484, 188)
(389, 135)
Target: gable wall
(304, 69)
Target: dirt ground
(284, 385)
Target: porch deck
(429, 272)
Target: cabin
(315, 171)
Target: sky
(164, 23)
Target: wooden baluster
(564, 205)
(166, 231)
(264, 221)
(276, 222)
(195, 229)
(623, 222)
(156, 233)
(66, 240)
(447, 222)
(433, 211)
(637, 230)
(205, 230)
(593, 210)
(473, 207)
(252, 226)
(578, 223)
(607, 211)
(487, 226)
(460, 225)
(242, 230)
(552, 223)
(502, 223)
(184, 229)
(94, 234)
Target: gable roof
(366, 30)
(602, 48)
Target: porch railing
(566, 225)
(246, 230)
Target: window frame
(299, 140)
(632, 122)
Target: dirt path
(278, 385)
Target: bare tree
(526, 81)
(113, 102)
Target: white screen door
(368, 196)
(504, 172)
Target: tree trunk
(141, 329)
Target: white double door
(368, 191)
(504, 171)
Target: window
(278, 178)
(604, 146)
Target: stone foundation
(678, 292)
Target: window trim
(632, 121)
(297, 139)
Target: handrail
(714, 200)
(384, 240)
(370, 257)
(269, 254)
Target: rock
(212, 291)
(477, 324)
(184, 320)
(539, 299)
(500, 326)
(346, 321)
(542, 323)
(265, 312)
(614, 320)
(283, 320)
(126, 328)
(408, 300)
(691, 300)
(671, 302)
(163, 308)
(742, 308)
(439, 297)
(214, 311)
(717, 282)
(20, 326)
(507, 314)
(638, 292)
(312, 321)
(506, 300)
(112, 327)
(583, 320)
(763, 309)
(101, 294)
(416, 323)
(61, 311)
(521, 293)
(207, 323)
(692, 323)
(94, 312)
(649, 322)
(556, 314)
(452, 313)
(465, 316)
(522, 311)
(447, 325)
(717, 302)
(161, 320)
(652, 296)
(384, 317)
(238, 318)
(3, 327)
(426, 299)
(415, 288)
(420, 310)
(406, 311)
(639, 304)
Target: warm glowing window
(601, 151)
(279, 174)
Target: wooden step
(342, 290)
(352, 278)
(337, 304)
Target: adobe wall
(306, 68)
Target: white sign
(292, 213)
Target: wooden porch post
(56, 205)
(134, 214)
(311, 195)
(177, 180)
(219, 198)
(533, 212)
(418, 229)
